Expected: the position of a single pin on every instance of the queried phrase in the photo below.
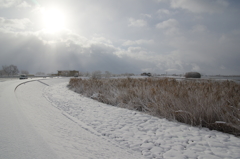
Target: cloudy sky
(121, 36)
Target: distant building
(68, 73)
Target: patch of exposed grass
(204, 103)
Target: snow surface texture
(18, 138)
(153, 137)
(30, 127)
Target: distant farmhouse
(68, 73)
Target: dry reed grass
(204, 103)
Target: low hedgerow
(204, 103)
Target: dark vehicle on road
(23, 77)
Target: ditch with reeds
(203, 103)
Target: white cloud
(12, 3)
(138, 42)
(6, 4)
(163, 11)
(196, 68)
(24, 4)
(223, 3)
(36, 52)
(71, 51)
(199, 29)
(102, 40)
(236, 32)
(146, 15)
(135, 49)
(12, 24)
(170, 23)
(161, 0)
(137, 22)
(170, 27)
(200, 6)
(222, 67)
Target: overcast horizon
(127, 36)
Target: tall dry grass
(204, 103)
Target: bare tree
(6, 70)
(96, 75)
(107, 74)
(10, 70)
(87, 74)
(2, 72)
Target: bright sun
(54, 20)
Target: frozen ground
(43, 119)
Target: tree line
(11, 70)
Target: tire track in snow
(28, 82)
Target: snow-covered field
(43, 119)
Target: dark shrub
(193, 75)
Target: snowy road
(32, 128)
(43, 119)
(18, 138)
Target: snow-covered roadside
(153, 137)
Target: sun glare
(53, 19)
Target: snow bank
(153, 137)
